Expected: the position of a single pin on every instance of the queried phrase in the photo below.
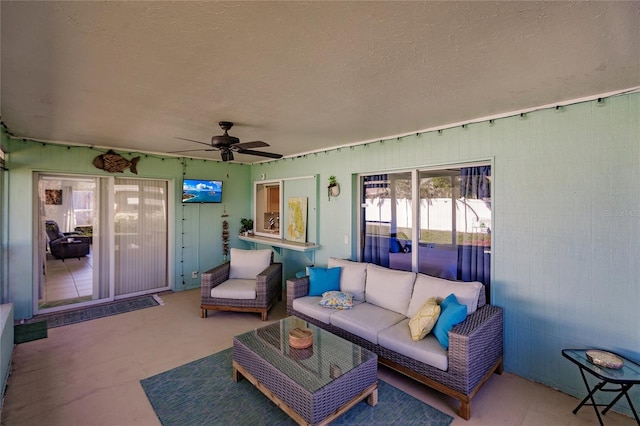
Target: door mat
(99, 311)
(28, 332)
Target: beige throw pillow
(422, 323)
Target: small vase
(334, 190)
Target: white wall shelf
(277, 244)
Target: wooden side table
(625, 377)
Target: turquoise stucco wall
(197, 228)
(566, 223)
(566, 220)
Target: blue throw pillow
(451, 313)
(395, 246)
(323, 279)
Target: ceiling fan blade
(247, 145)
(260, 153)
(192, 150)
(191, 140)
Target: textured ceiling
(301, 76)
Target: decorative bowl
(604, 359)
(300, 338)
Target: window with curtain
(83, 204)
(452, 214)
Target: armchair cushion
(235, 288)
(247, 264)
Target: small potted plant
(334, 188)
(246, 226)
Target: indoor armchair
(249, 282)
(64, 245)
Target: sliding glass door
(98, 239)
(436, 222)
(140, 236)
(67, 224)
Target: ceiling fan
(227, 145)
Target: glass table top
(629, 373)
(328, 358)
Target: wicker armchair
(268, 289)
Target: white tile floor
(89, 373)
(68, 279)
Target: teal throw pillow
(451, 313)
(323, 279)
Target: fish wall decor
(115, 163)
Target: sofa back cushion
(427, 286)
(352, 276)
(389, 288)
(247, 264)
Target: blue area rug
(203, 392)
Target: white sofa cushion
(308, 305)
(389, 289)
(235, 289)
(352, 276)
(426, 286)
(247, 264)
(428, 350)
(365, 320)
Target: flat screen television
(201, 191)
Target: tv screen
(201, 191)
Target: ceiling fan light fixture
(226, 144)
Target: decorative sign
(297, 219)
(53, 197)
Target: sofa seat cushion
(365, 320)
(389, 289)
(352, 277)
(397, 338)
(308, 305)
(426, 286)
(235, 289)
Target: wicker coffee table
(314, 385)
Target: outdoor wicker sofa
(475, 346)
(259, 294)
